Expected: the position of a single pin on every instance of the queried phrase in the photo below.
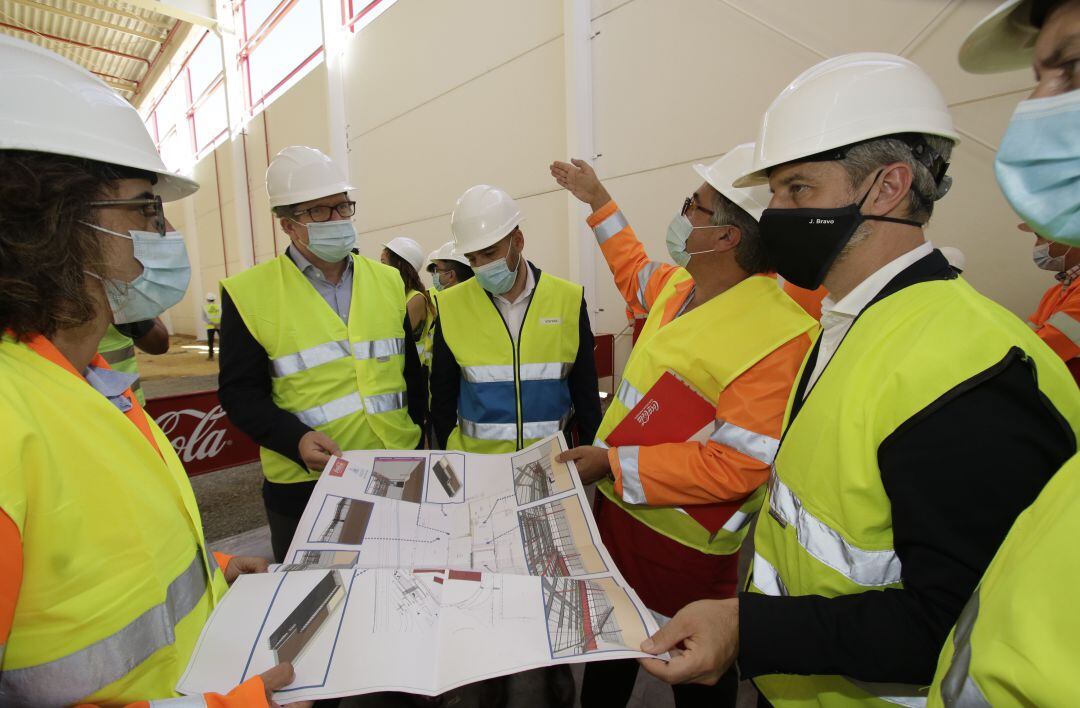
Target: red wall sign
(201, 433)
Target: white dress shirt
(513, 313)
(837, 317)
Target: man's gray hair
(749, 254)
(863, 159)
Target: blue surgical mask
(162, 284)
(678, 232)
(331, 240)
(436, 280)
(497, 277)
(1038, 165)
(1041, 255)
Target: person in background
(449, 267)
(897, 475)
(211, 314)
(718, 322)
(405, 256)
(106, 580)
(320, 358)
(1015, 642)
(118, 348)
(1057, 318)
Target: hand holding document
(421, 571)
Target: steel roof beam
(89, 20)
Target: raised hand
(579, 178)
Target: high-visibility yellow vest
(1016, 640)
(117, 581)
(828, 530)
(346, 381)
(511, 396)
(213, 313)
(423, 344)
(708, 348)
(119, 351)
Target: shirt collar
(530, 284)
(1068, 277)
(308, 268)
(856, 301)
(112, 384)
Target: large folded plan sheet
(421, 571)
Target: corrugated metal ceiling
(117, 42)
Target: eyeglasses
(691, 201)
(151, 207)
(443, 270)
(323, 213)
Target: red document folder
(672, 411)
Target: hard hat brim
(1001, 41)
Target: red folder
(672, 411)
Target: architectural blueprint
(451, 568)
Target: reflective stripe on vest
(310, 358)
(352, 403)
(957, 687)
(643, 277)
(766, 579)
(860, 566)
(379, 348)
(508, 431)
(118, 355)
(628, 395)
(69, 678)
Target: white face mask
(1041, 255)
(330, 240)
(162, 283)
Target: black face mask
(803, 243)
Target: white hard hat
(734, 164)
(1002, 41)
(845, 100)
(447, 252)
(210, 297)
(483, 215)
(300, 173)
(49, 104)
(408, 249)
(954, 256)
(430, 260)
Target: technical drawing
(294, 635)
(406, 601)
(448, 478)
(581, 617)
(342, 520)
(490, 541)
(398, 478)
(538, 476)
(311, 559)
(549, 532)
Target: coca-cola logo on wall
(203, 442)
(201, 433)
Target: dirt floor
(186, 357)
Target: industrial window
(280, 43)
(356, 14)
(189, 117)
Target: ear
(518, 239)
(891, 190)
(291, 228)
(727, 238)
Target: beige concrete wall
(440, 96)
